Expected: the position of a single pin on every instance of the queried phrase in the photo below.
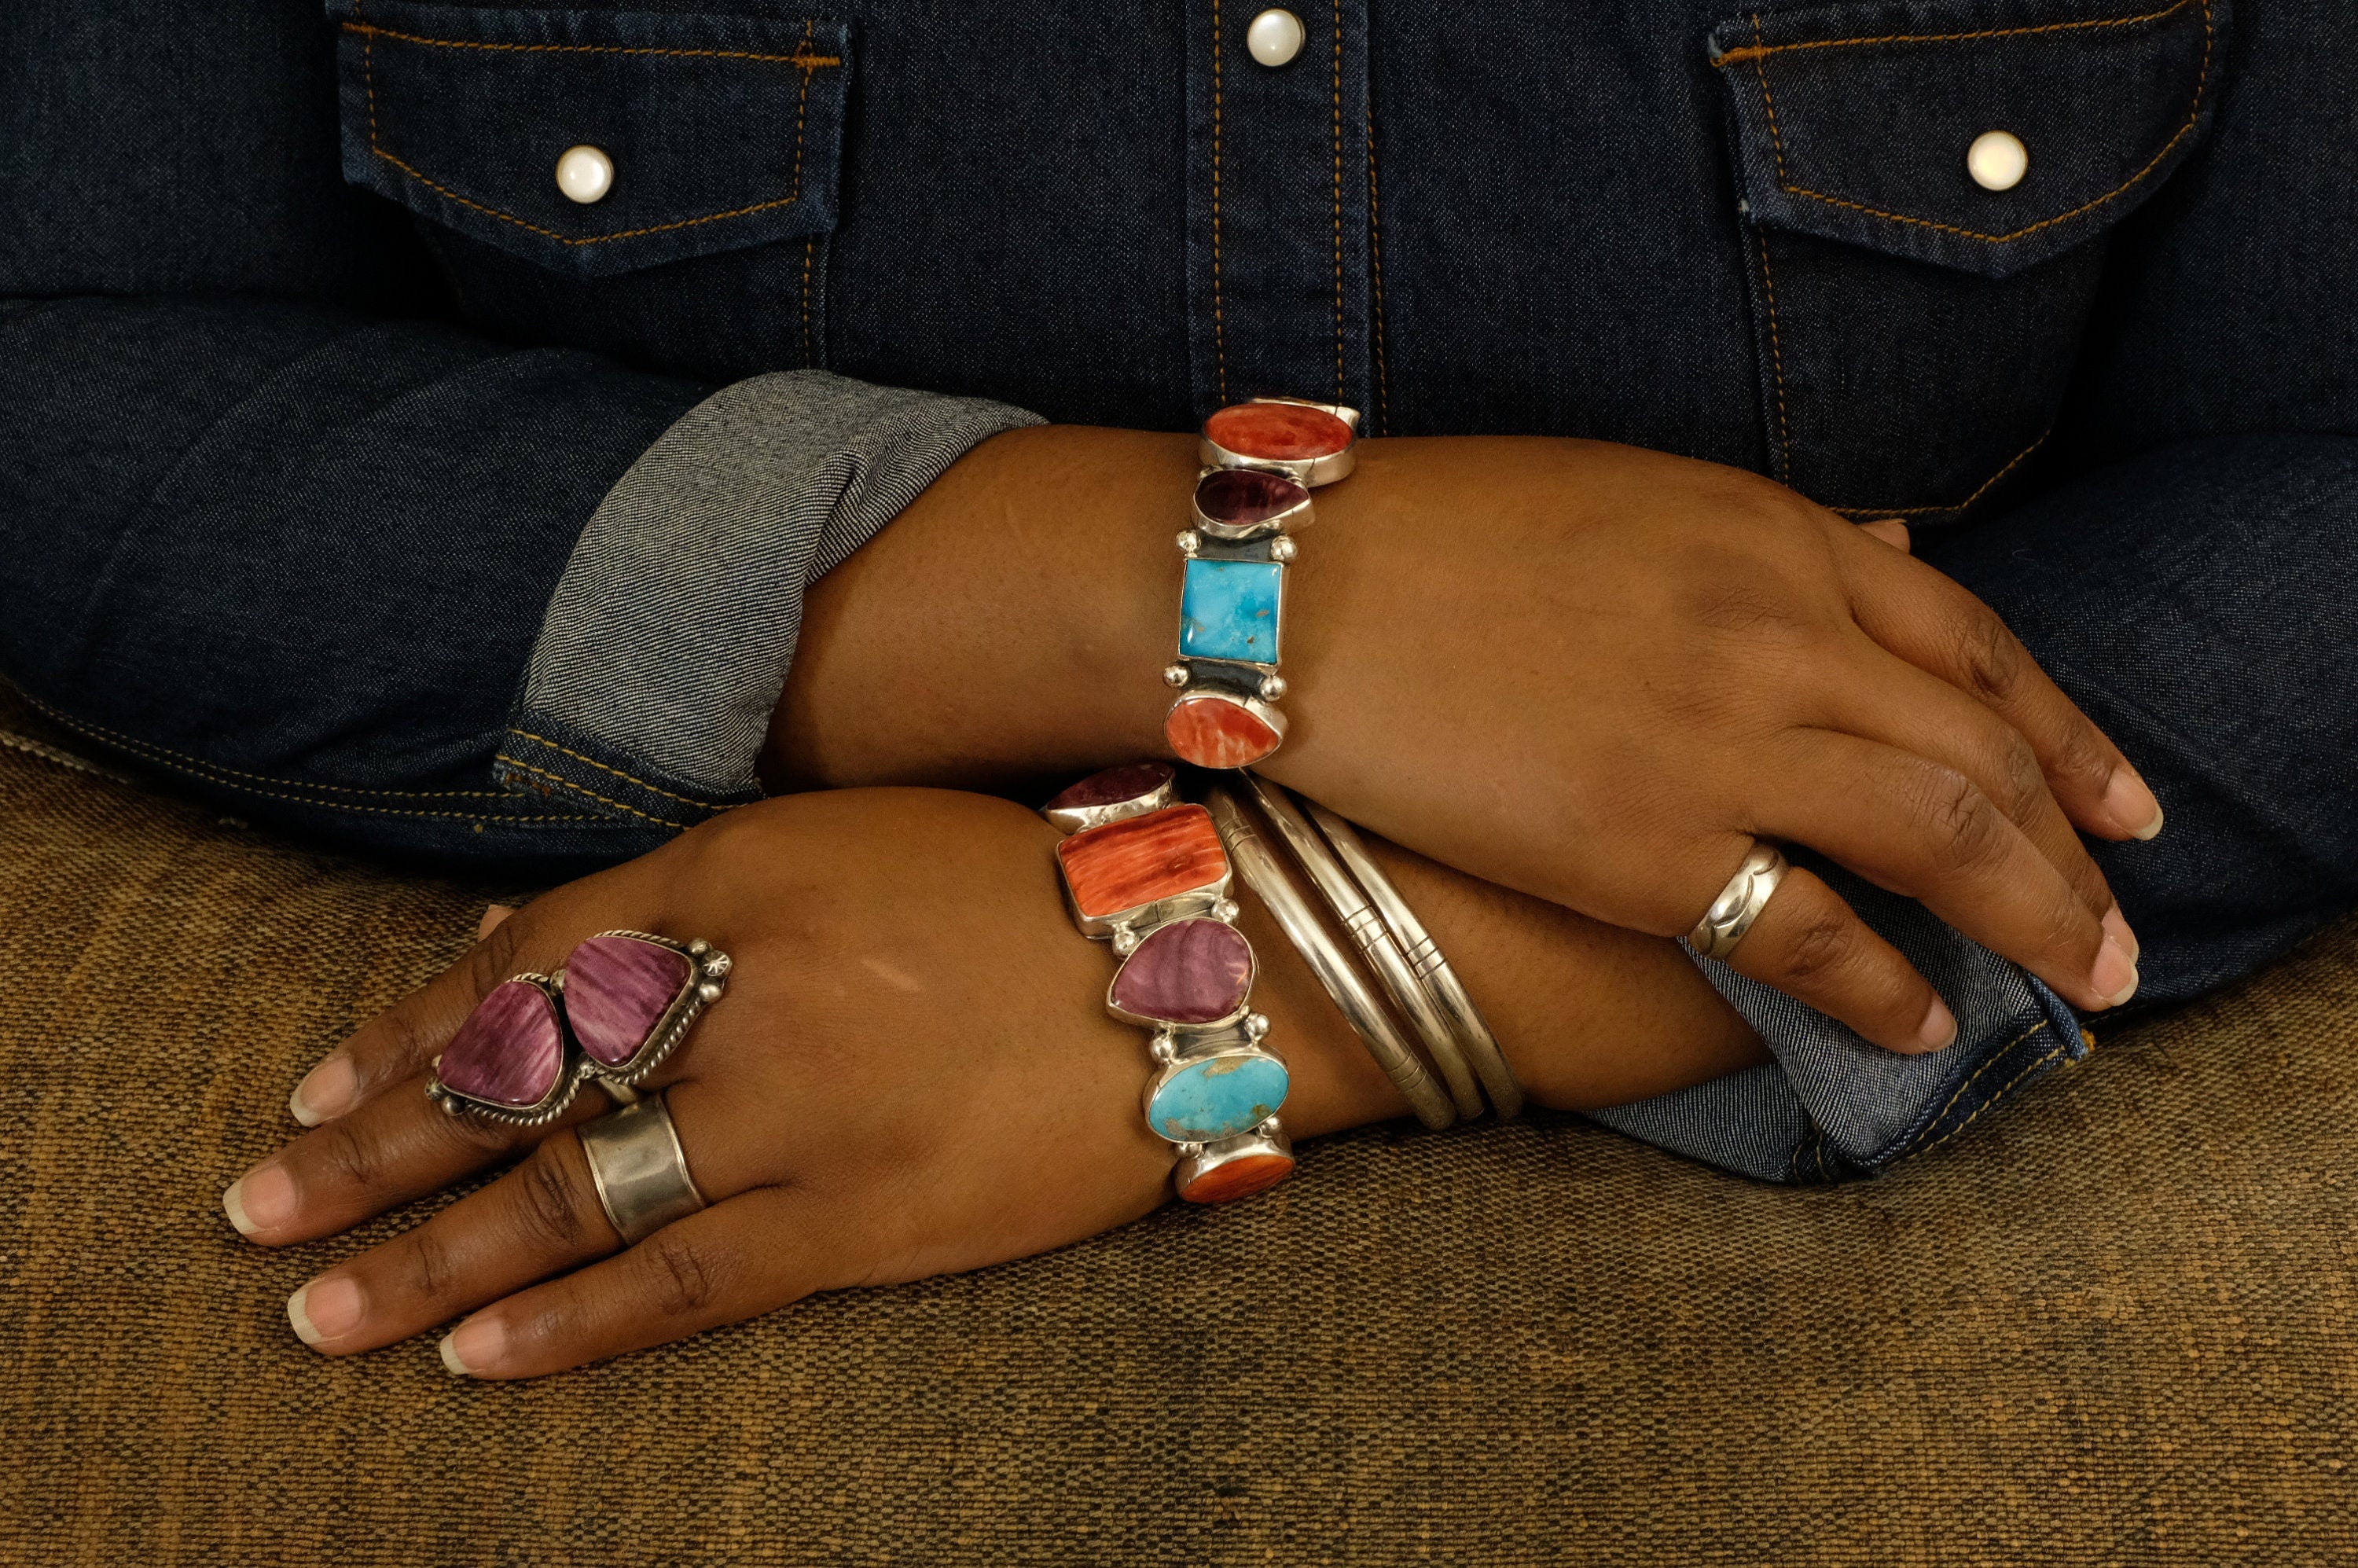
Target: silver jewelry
(1150, 876)
(1361, 1007)
(1739, 904)
(1425, 959)
(1261, 458)
(639, 1167)
(1374, 938)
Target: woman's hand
(1589, 672)
(912, 1073)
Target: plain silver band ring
(639, 1169)
(1739, 904)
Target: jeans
(318, 394)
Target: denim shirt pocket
(724, 131)
(1916, 328)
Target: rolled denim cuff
(667, 642)
(1833, 1107)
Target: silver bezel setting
(1269, 1138)
(1310, 472)
(1166, 1025)
(1293, 520)
(708, 978)
(550, 1105)
(1231, 1043)
(1071, 820)
(1198, 689)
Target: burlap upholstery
(2111, 1324)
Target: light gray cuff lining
(669, 636)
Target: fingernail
(475, 1346)
(327, 1090)
(262, 1199)
(2114, 977)
(2116, 926)
(325, 1309)
(1938, 1030)
(2132, 805)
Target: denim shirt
(358, 476)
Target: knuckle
(686, 1281)
(350, 1157)
(475, 1135)
(1989, 658)
(2022, 781)
(492, 959)
(1822, 945)
(1965, 826)
(550, 1207)
(427, 1266)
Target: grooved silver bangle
(1375, 939)
(1361, 1007)
(1425, 958)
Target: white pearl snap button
(584, 174)
(1997, 160)
(1275, 37)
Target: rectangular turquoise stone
(1228, 610)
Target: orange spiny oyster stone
(1125, 864)
(1215, 732)
(1277, 431)
(1239, 1178)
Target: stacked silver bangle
(1393, 943)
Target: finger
(1896, 703)
(393, 1149)
(1812, 946)
(1937, 625)
(1924, 829)
(396, 1044)
(492, 916)
(537, 1220)
(1890, 530)
(752, 1254)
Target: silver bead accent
(1175, 675)
(1269, 1128)
(1282, 548)
(1190, 542)
(717, 964)
(698, 947)
(1125, 941)
(709, 990)
(1273, 686)
(1257, 1026)
(1162, 1048)
(1190, 1151)
(1227, 908)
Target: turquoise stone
(1228, 610)
(1216, 1097)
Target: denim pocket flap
(1854, 121)
(706, 132)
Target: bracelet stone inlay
(1152, 878)
(1260, 459)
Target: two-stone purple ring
(620, 1002)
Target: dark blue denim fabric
(290, 467)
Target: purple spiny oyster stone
(1189, 971)
(616, 987)
(1238, 498)
(509, 1050)
(1131, 781)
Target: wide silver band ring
(639, 1169)
(1739, 904)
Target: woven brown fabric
(2112, 1325)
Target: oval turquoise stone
(1218, 1098)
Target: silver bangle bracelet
(1425, 958)
(1377, 944)
(1361, 1007)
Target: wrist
(1013, 623)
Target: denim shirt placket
(1280, 170)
